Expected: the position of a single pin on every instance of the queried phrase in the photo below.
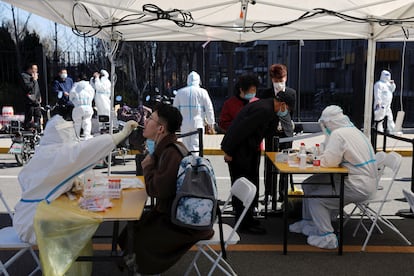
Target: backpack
(195, 203)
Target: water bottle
(316, 157)
(302, 156)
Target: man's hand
(35, 76)
(210, 129)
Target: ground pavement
(262, 255)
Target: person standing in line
(32, 97)
(284, 127)
(102, 85)
(241, 142)
(244, 92)
(61, 87)
(195, 106)
(344, 145)
(383, 92)
(82, 94)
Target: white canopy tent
(235, 21)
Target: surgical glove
(126, 131)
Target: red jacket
(231, 108)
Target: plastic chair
(10, 240)
(244, 190)
(409, 195)
(380, 158)
(392, 161)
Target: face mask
(282, 113)
(63, 76)
(150, 146)
(249, 96)
(279, 86)
(325, 129)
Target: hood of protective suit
(333, 117)
(385, 76)
(104, 73)
(193, 79)
(80, 85)
(58, 131)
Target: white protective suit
(57, 160)
(195, 106)
(383, 93)
(81, 95)
(102, 86)
(347, 146)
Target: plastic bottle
(302, 156)
(88, 182)
(316, 157)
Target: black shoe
(252, 229)
(254, 222)
(248, 221)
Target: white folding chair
(10, 241)
(244, 190)
(380, 158)
(410, 198)
(392, 161)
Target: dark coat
(241, 142)
(251, 125)
(158, 243)
(31, 90)
(65, 85)
(285, 129)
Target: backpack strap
(182, 149)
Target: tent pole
(113, 47)
(369, 86)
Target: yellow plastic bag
(63, 233)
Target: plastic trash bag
(63, 233)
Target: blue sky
(44, 27)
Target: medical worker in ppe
(195, 106)
(383, 93)
(58, 159)
(347, 146)
(81, 95)
(102, 85)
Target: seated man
(158, 243)
(347, 146)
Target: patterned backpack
(195, 203)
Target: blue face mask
(325, 129)
(150, 146)
(282, 113)
(249, 96)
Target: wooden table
(284, 168)
(128, 207)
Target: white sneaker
(326, 241)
